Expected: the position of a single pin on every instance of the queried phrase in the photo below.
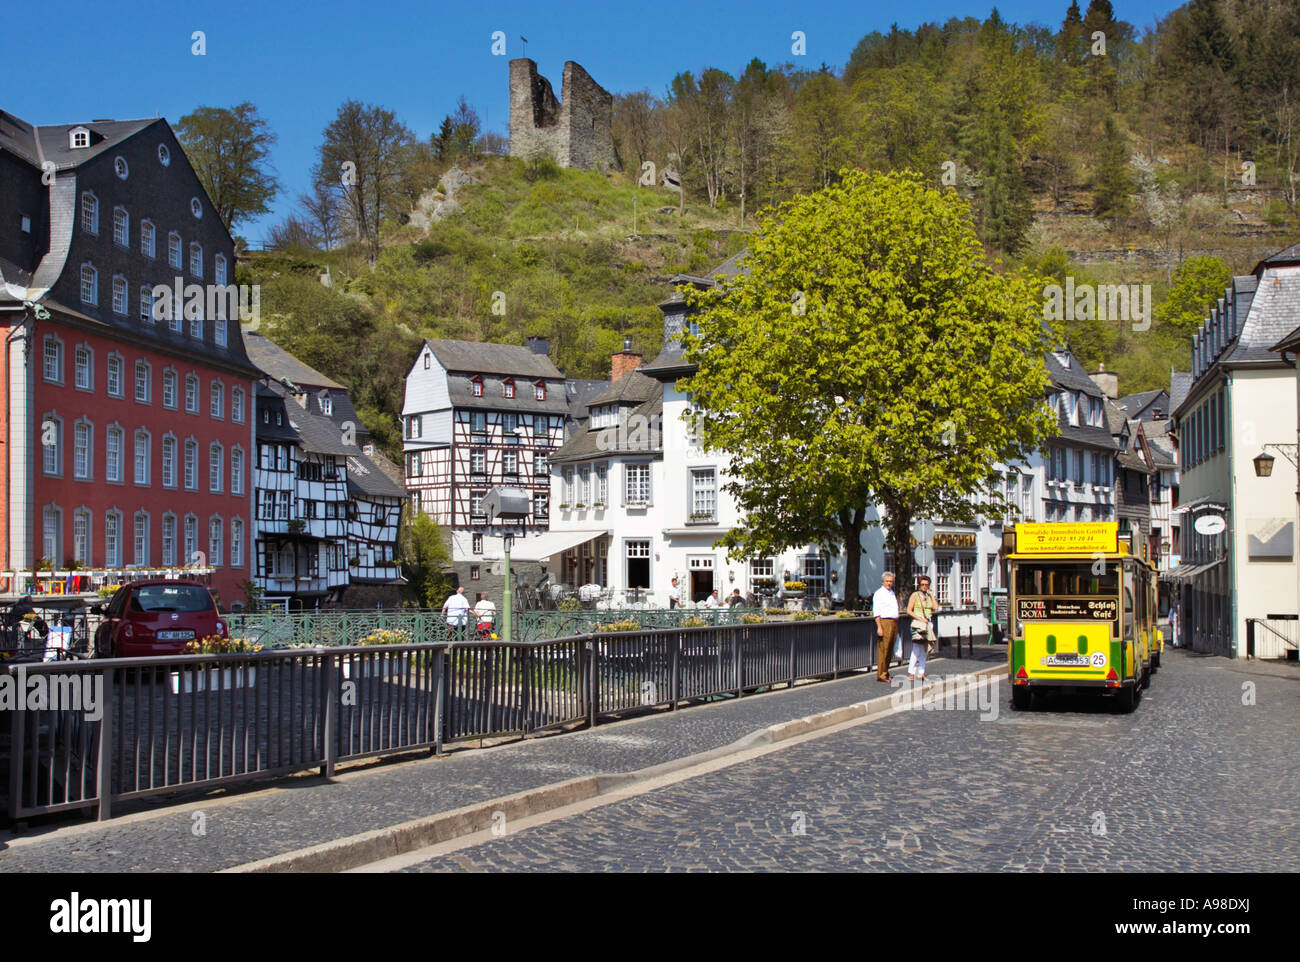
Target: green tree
(229, 149)
(1197, 284)
(913, 371)
(425, 557)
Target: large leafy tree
(1197, 284)
(229, 148)
(912, 372)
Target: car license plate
(176, 636)
(1071, 660)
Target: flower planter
(240, 676)
(374, 668)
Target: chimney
(1107, 381)
(624, 361)
(538, 345)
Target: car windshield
(173, 598)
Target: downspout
(1230, 561)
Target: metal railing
(330, 628)
(117, 729)
(1277, 636)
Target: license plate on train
(176, 635)
(1071, 660)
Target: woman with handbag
(920, 607)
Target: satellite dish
(923, 531)
(923, 555)
(1209, 524)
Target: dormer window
(539, 391)
(326, 405)
(78, 137)
(508, 388)
(476, 387)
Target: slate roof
(50, 142)
(1180, 382)
(366, 477)
(1072, 377)
(1274, 313)
(1115, 418)
(270, 358)
(1289, 343)
(473, 357)
(587, 442)
(315, 433)
(580, 392)
(1289, 255)
(632, 387)
(1143, 403)
(1162, 452)
(494, 397)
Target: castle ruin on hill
(575, 131)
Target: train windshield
(1067, 579)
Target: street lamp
(503, 504)
(1264, 461)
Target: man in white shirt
(674, 595)
(456, 608)
(713, 601)
(884, 605)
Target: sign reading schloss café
(1067, 609)
(1082, 538)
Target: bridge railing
(108, 730)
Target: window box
(702, 518)
(636, 504)
(598, 506)
(579, 506)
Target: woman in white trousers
(920, 607)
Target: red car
(156, 618)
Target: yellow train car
(1082, 609)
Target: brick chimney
(624, 361)
(1107, 381)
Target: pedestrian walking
(921, 607)
(456, 608)
(884, 605)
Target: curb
(356, 850)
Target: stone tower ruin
(575, 131)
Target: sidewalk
(287, 814)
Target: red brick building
(127, 437)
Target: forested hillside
(1086, 149)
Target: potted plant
(202, 677)
(380, 665)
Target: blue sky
(297, 62)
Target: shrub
(694, 622)
(845, 613)
(216, 645)
(804, 616)
(385, 636)
(627, 624)
(752, 619)
(569, 604)
(775, 611)
(795, 585)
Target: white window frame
(170, 387)
(52, 359)
(51, 533)
(237, 405)
(113, 538)
(216, 399)
(192, 397)
(237, 470)
(147, 397)
(83, 375)
(146, 304)
(121, 227)
(216, 539)
(631, 497)
(216, 467)
(52, 454)
(196, 259)
(168, 543)
(219, 269)
(190, 465)
(83, 455)
(136, 472)
(236, 542)
(140, 538)
(121, 296)
(148, 239)
(89, 285)
(113, 468)
(89, 212)
(83, 541)
(169, 447)
(175, 255)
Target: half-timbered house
(476, 416)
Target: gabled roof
(473, 357)
(642, 435)
(459, 390)
(1274, 313)
(105, 135)
(269, 358)
(316, 434)
(1289, 343)
(1068, 374)
(1142, 404)
(579, 393)
(632, 388)
(1286, 256)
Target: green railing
(276, 629)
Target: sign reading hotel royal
(1085, 537)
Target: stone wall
(576, 131)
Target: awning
(543, 546)
(1189, 571)
(1199, 504)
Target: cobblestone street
(1203, 776)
